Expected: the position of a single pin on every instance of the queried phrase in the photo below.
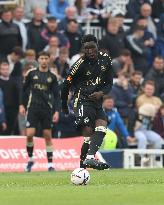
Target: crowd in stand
(134, 106)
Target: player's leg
(30, 132)
(47, 133)
(97, 138)
(46, 123)
(95, 143)
(87, 133)
(85, 115)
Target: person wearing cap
(91, 77)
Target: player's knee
(29, 138)
(101, 129)
(87, 140)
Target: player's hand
(22, 110)
(55, 117)
(96, 95)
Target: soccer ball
(80, 176)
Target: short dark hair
(51, 18)
(149, 82)
(72, 20)
(137, 72)
(4, 61)
(18, 51)
(43, 53)
(107, 97)
(125, 52)
(159, 57)
(138, 28)
(89, 38)
(5, 10)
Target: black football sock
(49, 150)
(96, 141)
(84, 151)
(30, 148)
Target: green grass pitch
(114, 187)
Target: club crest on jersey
(35, 77)
(88, 73)
(86, 120)
(69, 78)
(103, 68)
(49, 79)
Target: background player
(90, 77)
(43, 106)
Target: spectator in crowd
(62, 63)
(98, 11)
(133, 8)
(143, 128)
(135, 83)
(34, 28)
(82, 12)
(115, 122)
(147, 97)
(3, 125)
(160, 27)
(146, 11)
(112, 41)
(15, 66)
(57, 8)
(123, 95)
(74, 37)
(9, 33)
(31, 5)
(18, 19)
(158, 122)
(160, 37)
(71, 13)
(123, 63)
(135, 43)
(11, 98)
(148, 38)
(156, 74)
(29, 59)
(157, 8)
(52, 30)
(53, 47)
(120, 16)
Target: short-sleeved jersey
(86, 77)
(43, 89)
